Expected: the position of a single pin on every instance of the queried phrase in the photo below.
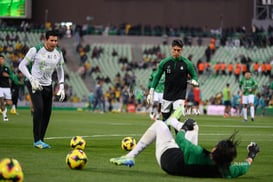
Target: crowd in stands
(204, 66)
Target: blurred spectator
(99, 97)
(230, 69)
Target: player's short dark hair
(177, 42)
(225, 152)
(51, 33)
(2, 56)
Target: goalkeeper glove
(188, 125)
(61, 92)
(35, 85)
(150, 97)
(193, 83)
(252, 149)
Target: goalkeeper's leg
(157, 131)
(192, 136)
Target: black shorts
(172, 161)
(227, 103)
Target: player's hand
(150, 97)
(252, 149)
(250, 90)
(193, 83)
(188, 125)
(36, 86)
(61, 92)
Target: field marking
(236, 126)
(245, 125)
(91, 136)
(119, 135)
(205, 125)
(200, 134)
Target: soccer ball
(11, 170)
(128, 143)
(76, 159)
(77, 142)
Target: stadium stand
(135, 56)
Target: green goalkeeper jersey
(248, 86)
(195, 155)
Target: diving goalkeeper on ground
(183, 157)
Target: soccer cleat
(178, 113)
(5, 118)
(123, 160)
(13, 111)
(152, 116)
(41, 145)
(252, 119)
(244, 120)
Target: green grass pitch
(103, 134)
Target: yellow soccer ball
(76, 159)
(11, 170)
(77, 142)
(128, 143)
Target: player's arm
(12, 76)
(241, 83)
(60, 70)
(193, 74)
(255, 85)
(150, 81)
(182, 142)
(60, 74)
(23, 66)
(241, 168)
(156, 78)
(157, 75)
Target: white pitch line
(92, 136)
(236, 126)
(119, 135)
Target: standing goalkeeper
(176, 69)
(45, 58)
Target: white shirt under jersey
(44, 63)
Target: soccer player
(182, 157)
(158, 95)
(15, 87)
(176, 69)
(227, 100)
(45, 58)
(248, 87)
(5, 93)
